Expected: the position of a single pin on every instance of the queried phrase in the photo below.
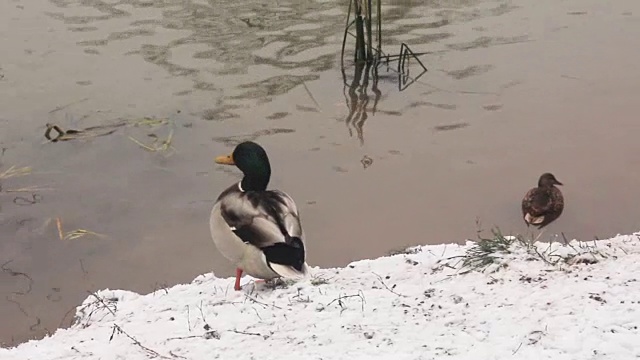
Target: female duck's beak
(225, 160)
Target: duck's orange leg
(238, 275)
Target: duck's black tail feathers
(290, 253)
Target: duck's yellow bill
(225, 160)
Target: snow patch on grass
(495, 298)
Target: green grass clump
(490, 251)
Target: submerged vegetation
(74, 234)
(367, 60)
(13, 171)
(55, 133)
(158, 144)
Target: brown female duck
(543, 204)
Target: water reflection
(261, 51)
(225, 39)
(356, 93)
(368, 56)
(357, 97)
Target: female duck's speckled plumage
(258, 230)
(543, 204)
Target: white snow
(419, 305)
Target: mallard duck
(258, 230)
(543, 204)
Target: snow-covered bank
(532, 302)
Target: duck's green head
(253, 161)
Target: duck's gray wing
(269, 221)
(289, 214)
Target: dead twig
(453, 257)
(185, 337)
(257, 313)
(96, 305)
(299, 298)
(249, 297)
(542, 257)
(566, 242)
(176, 356)
(86, 133)
(202, 314)
(340, 299)
(149, 351)
(72, 134)
(247, 333)
(101, 301)
(516, 350)
(386, 287)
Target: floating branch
(99, 130)
(72, 134)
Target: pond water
(513, 89)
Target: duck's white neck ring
(240, 186)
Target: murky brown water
(513, 89)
